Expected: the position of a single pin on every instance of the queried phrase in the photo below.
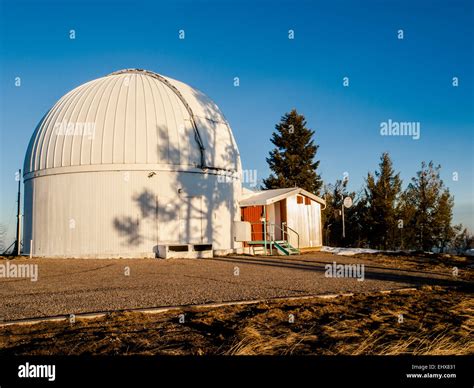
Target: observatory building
(136, 164)
(127, 162)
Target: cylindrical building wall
(127, 213)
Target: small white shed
(290, 217)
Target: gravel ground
(71, 286)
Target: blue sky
(389, 78)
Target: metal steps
(283, 246)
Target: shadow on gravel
(415, 280)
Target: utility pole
(18, 222)
(343, 223)
(347, 202)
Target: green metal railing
(268, 234)
(284, 225)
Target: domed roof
(132, 119)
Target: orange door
(253, 214)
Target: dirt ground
(84, 286)
(437, 318)
(428, 321)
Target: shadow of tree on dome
(140, 230)
(130, 228)
(157, 208)
(191, 205)
(221, 153)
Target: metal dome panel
(132, 118)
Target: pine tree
(429, 205)
(442, 219)
(462, 239)
(292, 161)
(382, 193)
(407, 211)
(357, 217)
(353, 216)
(331, 216)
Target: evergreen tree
(357, 217)
(462, 239)
(382, 195)
(292, 161)
(430, 207)
(443, 216)
(353, 217)
(407, 210)
(331, 216)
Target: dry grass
(436, 263)
(436, 321)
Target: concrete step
(258, 250)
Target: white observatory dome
(132, 117)
(128, 165)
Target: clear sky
(409, 79)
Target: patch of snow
(348, 251)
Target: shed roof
(267, 197)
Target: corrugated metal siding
(125, 213)
(306, 220)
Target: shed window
(307, 201)
(299, 199)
